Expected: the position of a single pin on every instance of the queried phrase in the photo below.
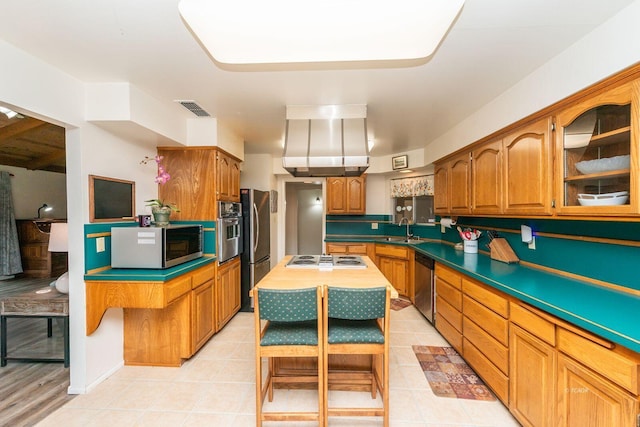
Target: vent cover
(194, 108)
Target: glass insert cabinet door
(596, 141)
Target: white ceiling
(492, 45)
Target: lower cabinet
(351, 248)
(532, 373)
(449, 306)
(228, 291)
(546, 370)
(485, 329)
(165, 336)
(396, 264)
(203, 319)
(588, 399)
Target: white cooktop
(327, 262)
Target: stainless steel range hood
(326, 144)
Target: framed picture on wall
(400, 162)
(111, 199)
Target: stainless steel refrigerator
(256, 262)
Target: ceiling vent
(194, 108)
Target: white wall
(608, 49)
(30, 189)
(39, 90)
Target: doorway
(303, 218)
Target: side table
(49, 305)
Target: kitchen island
(282, 277)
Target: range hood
(329, 142)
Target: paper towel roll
(447, 222)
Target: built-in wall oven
(424, 286)
(229, 230)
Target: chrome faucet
(409, 235)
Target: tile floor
(216, 388)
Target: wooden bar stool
(356, 321)
(293, 328)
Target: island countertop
(281, 277)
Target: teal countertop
(609, 313)
(149, 275)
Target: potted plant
(161, 211)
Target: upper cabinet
(597, 155)
(510, 175)
(578, 157)
(441, 188)
(228, 178)
(451, 185)
(528, 169)
(199, 178)
(486, 178)
(460, 180)
(346, 195)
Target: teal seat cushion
(354, 331)
(291, 333)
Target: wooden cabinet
(486, 178)
(441, 188)
(528, 169)
(198, 176)
(588, 399)
(512, 175)
(203, 319)
(227, 292)
(460, 184)
(346, 195)
(37, 261)
(164, 322)
(228, 177)
(532, 368)
(449, 305)
(396, 264)
(595, 142)
(351, 248)
(549, 372)
(192, 186)
(532, 376)
(485, 328)
(452, 185)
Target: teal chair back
(284, 305)
(356, 304)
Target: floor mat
(449, 375)
(399, 303)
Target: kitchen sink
(401, 239)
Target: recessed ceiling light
(294, 31)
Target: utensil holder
(470, 246)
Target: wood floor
(31, 391)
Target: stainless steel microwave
(155, 247)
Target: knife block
(501, 251)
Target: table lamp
(59, 242)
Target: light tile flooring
(216, 388)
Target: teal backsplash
(97, 260)
(559, 243)
(360, 225)
(561, 246)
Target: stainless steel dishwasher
(424, 286)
